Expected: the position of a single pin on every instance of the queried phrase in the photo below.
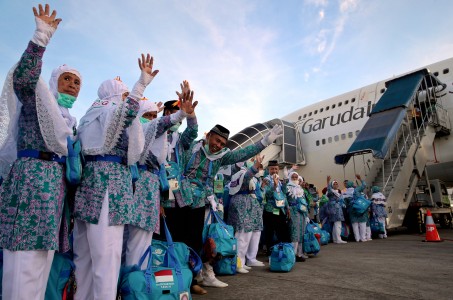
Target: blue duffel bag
(325, 237)
(226, 265)
(221, 233)
(282, 257)
(167, 275)
(360, 205)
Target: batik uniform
(33, 146)
(275, 218)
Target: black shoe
(300, 259)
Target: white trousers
(336, 231)
(382, 221)
(137, 243)
(25, 274)
(254, 244)
(97, 257)
(359, 231)
(368, 232)
(243, 239)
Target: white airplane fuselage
(330, 127)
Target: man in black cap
(201, 163)
(276, 209)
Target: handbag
(376, 226)
(73, 162)
(282, 258)
(360, 205)
(311, 243)
(345, 231)
(167, 275)
(61, 277)
(227, 265)
(325, 237)
(221, 233)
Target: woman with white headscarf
(34, 127)
(335, 210)
(112, 140)
(145, 219)
(298, 207)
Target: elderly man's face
(273, 170)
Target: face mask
(143, 120)
(295, 181)
(206, 147)
(259, 174)
(66, 100)
(174, 127)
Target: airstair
(400, 131)
(286, 150)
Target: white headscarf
(53, 125)
(147, 106)
(97, 131)
(53, 87)
(294, 189)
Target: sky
(248, 61)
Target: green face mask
(143, 120)
(206, 147)
(66, 100)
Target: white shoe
(341, 242)
(209, 278)
(213, 282)
(242, 271)
(255, 263)
(247, 267)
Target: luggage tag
(174, 187)
(184, 296)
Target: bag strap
(197, 263)
(172, 259)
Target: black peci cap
(220, 130)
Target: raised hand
(258, 161)
(43, 15)
(160, 106)
(146, 65)
(186, 98)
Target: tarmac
(399, 267)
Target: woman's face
(295, 177)
(69, 83)
(335, 185)
(150, 115)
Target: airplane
(324, 138)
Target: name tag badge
(280, 203)
(173, 183)
(218, 186)
(276, 211)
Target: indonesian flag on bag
(164, 276)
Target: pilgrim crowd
(116, 208)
